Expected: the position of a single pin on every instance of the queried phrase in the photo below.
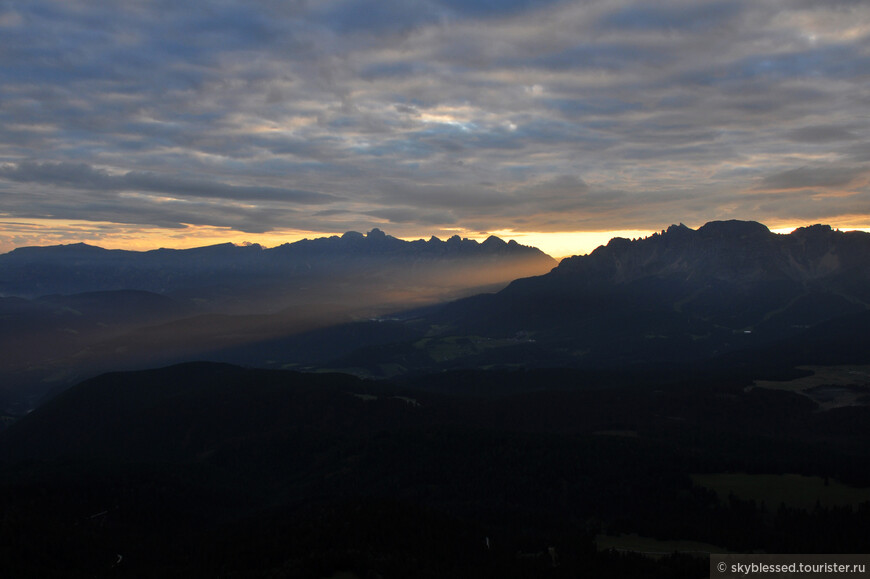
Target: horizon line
(111, 236)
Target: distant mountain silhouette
(76, 268)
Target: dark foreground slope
(215, 470)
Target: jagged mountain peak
(737, 251)
(677, 229)
(813, 231)
(493, 241)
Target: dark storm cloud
(481, 114)
(82, 176)
(822, 134)
(414, 215)
(804, 177)
(493, 7)
(598, 56)
(692, 17)
(837, 61)
(362, 16)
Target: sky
(156, 123)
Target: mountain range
(643, 398)
(681, 296)
(376, 306)
(72, 311)
(242, 270)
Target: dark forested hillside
(205, 468)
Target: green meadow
(654, 547)
(795, 490)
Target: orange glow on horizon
(559, 244)
(34, 232)
(29, 232)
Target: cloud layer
(430, 115)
